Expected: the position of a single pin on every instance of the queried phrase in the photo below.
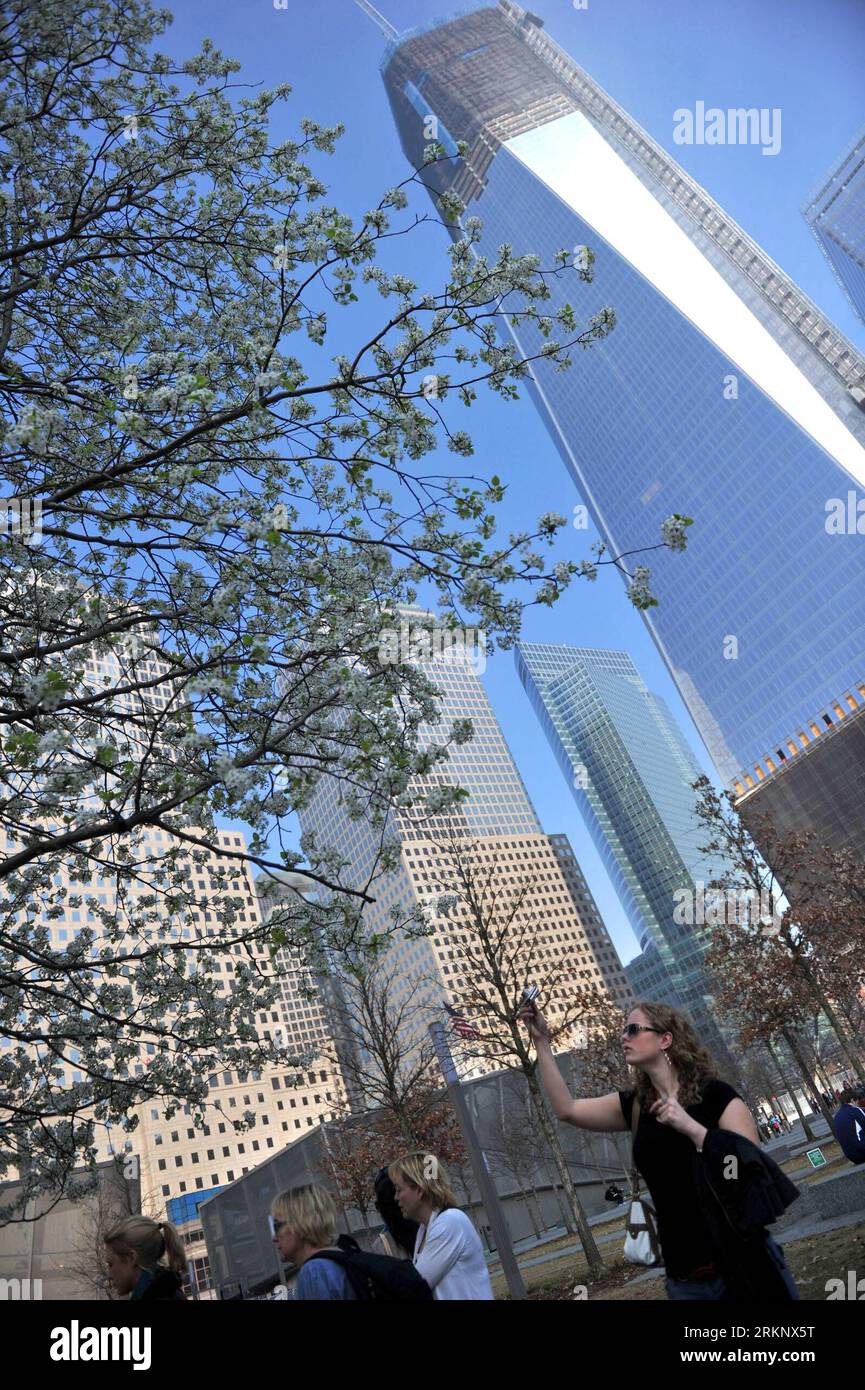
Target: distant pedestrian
(304, 1221)
(146, 1260)
(448, 1251)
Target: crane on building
(378, 19)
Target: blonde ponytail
(151, 1242)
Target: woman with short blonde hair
(304, 1221)
(427, 1174)
(146, 1259)
(448, 1252)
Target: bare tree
(510, 1144)
(805, 954)
(111, 1200)
(495, 924)
(233, 500)
(380, 1042)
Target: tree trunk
(533, 1208)
(837, 1026)
(565, 1212)
(809, 1133)
(590, 1249)
(791, 1041)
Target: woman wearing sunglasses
(680, 1099)
(303, 1222)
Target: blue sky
(653, 57)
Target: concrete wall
(56, 1236)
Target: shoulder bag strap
(634, 1174)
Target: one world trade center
(723, 392)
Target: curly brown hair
(692, 1062)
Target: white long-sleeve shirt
(450, 1257)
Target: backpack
(379, 1276)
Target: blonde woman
(304, 1221)
(447, 1252)
(146, 1260)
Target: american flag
(460, 1023)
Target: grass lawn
(813, 1261)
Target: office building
(835, 212)
(722, 393)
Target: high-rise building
(835, 212)
(820, 792)
(175, 1163)
(499, 824)
(723, 392)
(631, 772)
(609, 967)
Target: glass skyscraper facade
(631, 773)
(836, 216)
(722, 392)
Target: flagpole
(477, 1158)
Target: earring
(667, 1055)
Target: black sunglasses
(631, 1030)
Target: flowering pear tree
(228, 469)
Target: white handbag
(642, 1246)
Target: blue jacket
(849, 1126)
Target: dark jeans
(716, 1290)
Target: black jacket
(400, 1227)
(739, 1200)
(165, 1285)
